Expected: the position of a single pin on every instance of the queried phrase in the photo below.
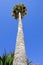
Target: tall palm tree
(20, 56)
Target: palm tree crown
(19, 8)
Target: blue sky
(32, 26)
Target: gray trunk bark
(20, 55)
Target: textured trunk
(20, 55)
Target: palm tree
(20, 56)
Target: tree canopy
(19, 8)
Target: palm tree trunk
(20, 55)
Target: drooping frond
(19, 8)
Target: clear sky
(32, 26)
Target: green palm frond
(0, 60)
(7, 59)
